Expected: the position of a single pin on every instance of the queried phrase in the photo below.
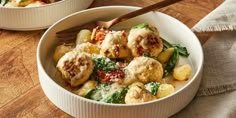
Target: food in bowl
(121, 67)
(25, 3)
(59, 92)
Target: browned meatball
(143, 40)
(114, 45)
(76, 67)
(143, 69)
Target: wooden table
(20, 92)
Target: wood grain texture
(21, 94)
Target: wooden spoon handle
(144, 10)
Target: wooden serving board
(20, 91)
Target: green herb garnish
(152, 87)
(143, 25)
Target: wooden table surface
(20, 92)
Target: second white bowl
(39, 17)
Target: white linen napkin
(216, 95)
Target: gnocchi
(164, 56)
(182, 72)
(88, 48)
(61, 50)
(165, 90)
(83, 36)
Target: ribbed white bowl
(77, 106)
(39, 17)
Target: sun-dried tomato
(110, 75)
(101, 74)
(117, 74)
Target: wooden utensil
(69, 34)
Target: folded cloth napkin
(219, 69)
(216, 95)
(217, 106)
(221, 19)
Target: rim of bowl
(39, 64)
(37, 7)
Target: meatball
(114, 45)
(143, 69)
(137, 94)
(76, 67)
(144, 40)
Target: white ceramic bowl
(39, 17)
(77, 106)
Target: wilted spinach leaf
(117, 97)
(103, 63)
(98, 93)
(182, 50)
(172, 62)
